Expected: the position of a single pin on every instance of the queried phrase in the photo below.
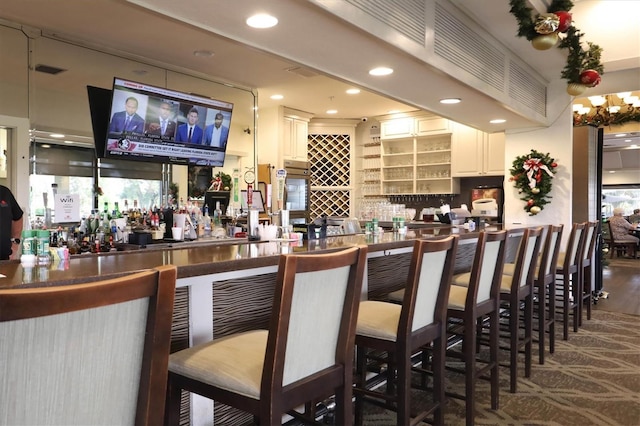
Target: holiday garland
(531, 175)
(583, 68)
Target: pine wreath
(579, 60)
(531, 174)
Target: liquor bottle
(217, 215)
(207, 221)
(116, 211)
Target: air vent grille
(48, 69)
(524, 88)
(465, 48)
(405, 16)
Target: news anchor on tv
(190, 132)
(216, 134)
(161, 122)
(127, 121)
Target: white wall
(557, 140)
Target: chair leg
(172, 403)
(552, 316)
(576, 289)
(403, 389)
(565, 308)
(361, 379)
(344, 410)
(494, 336)
(542, 320)
(513, 338)
(528, 332)
(469, 351)
(438, 367)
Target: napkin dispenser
(487, 207)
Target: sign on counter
(66, 208)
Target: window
(71, 170)
(625, 196)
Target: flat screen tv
(99, 108)
(149, 123)
(210, 198)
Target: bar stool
(401, 330)
(586, 260)
(469, 306)
(306, 355)
(544, 288)
(517, 289)
(87, 353)
(568, 278)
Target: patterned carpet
(591, 379)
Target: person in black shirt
(10, 225)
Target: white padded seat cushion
(232, 363)
(396, 296)
(378, 319)
(461, 279)
(457, 297)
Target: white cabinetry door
(466, 151)
(494, 154)
(294, 138)
(413, 126)
(475, 153)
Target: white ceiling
(332, 54)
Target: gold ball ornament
(545, 41)
(547, 23)
(534, 210)
(575, 89)
(535, 190)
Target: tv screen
(99, 108)
(151, 123)
(210, 198)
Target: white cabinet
(475, 153)
(295, 132)
(413, 126)
(417, 165)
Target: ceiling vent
(301, 71)
(48, 69)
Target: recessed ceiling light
(276, 97)
(353, 91)
(203, 53)
(498, 121)
(612, 171)
(621, 135)
(68, 142)
(45, 145)
(450, 101)
(262, 20)
(56, 135)
(633, 145)
(140, 72)
(332, 111)
(381, 71)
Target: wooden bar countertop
(203, 257)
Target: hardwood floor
(621, 282)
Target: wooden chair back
(427, 292)
(311, 340)
(550, 252)
(526, 258)
(91, 353)
(486, 271)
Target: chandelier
(607, 110)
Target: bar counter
(226, 286)
(202, 257)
